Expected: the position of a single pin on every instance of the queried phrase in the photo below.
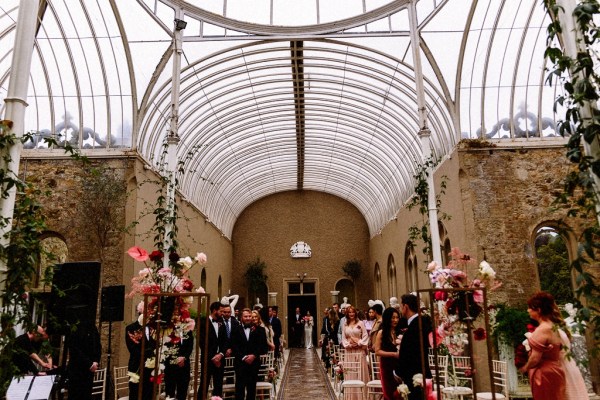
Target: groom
(249, 342)
(409, 362)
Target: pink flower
(138, 254)
(441, 296)
(432, 266)
(201, 258)
(478, 296)
(200, 290)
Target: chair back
(442, 368)
(352, 370)
(99, 384)
(461, 368)
(375, 367)
(228, 370)
(500, 372)
(121, 380)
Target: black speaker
(74, 294)
(112, 303)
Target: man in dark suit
(133, 339)
(277, 330)
(177, 366)
(215, 350)
(230, 324)
(297, 328)
(249, 343)
(411, 351)
(84, 359)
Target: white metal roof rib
(271, 103)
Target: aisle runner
(304, 377)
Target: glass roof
(283, 95)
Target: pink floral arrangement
(455, 308)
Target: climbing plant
(421, 230)
(581, 124)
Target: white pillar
(272, 299)
(424, 133)
(16, 103)
(334, 296)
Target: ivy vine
(582, 125)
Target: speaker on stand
(111, 309)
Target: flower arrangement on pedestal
(455, 309)
(167, 317)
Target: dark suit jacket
(183, 349)
(409, 362)
(234, 324)
(84, 350)
(277, 329)
(215, 344)
(256, 344)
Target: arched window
(377, 280)
(444, 244)
(53, 244)
(203, 278)
(552, 258)
(393, 284)
(220, 287)
(410, 268)
(346, 289)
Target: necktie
(227, 329)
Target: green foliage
(580, 82)
(554, 268)
(511, 324)
(420, 200)
(352, 269)
(255, 276)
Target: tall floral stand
(164, 325)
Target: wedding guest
(249, 343)
(546, 375)
(27, 347)
(355, 341)
(370, 320)
(133, 340)
(386, 350)
(377, 311)
(84, 359)
(297, 329)
(258, 321)
(277, 330)
(575, 385)
(177, 366)
(230, 323)
(216, 345)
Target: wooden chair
(374, 386)
(500, 371)
(121, 381)
(99, 384)
(353, 378)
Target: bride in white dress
(308, 330)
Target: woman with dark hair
(385, 349)
(546, 375)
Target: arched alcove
(392, 281)
(410, 268)
(377, 281)
(553, 262)
(346, 288)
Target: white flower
(141, 319)
(201, 258)
(418, 380)
(185, 262)
(526, 341)
(486, 270)
(200, 290)
(433, 266)
(133, 377)
(403, 390)
(150, 363)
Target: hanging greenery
(255, 276)
(352, 269)
(580, 80)
(421, 231)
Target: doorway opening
(301, 296)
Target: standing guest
(257, 321)
(249, 343)
(336, 308)
(216, 346)
(369, 320)
(134, 333)
(386, 350)
(309, 323)
(277, 330)
(377, 311)
(230, 324)
(177, 366)
(355, 341)
(297, 328)
(546, 375)
(411, 352)
(84, 359)
(27, 347)
(324, 341)
(342, 323)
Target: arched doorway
(301, 297)
(346, 289)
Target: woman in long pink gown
(355, 340)
(546, 375)
(575, 385)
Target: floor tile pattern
(305, 378)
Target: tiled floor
(304, 377)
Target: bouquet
(403, 390)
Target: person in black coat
(249, 343)
(177, 366)
(84, 359)
(215, 350)
(133, 339)
(409, 362)
(277, 329)
(230, 323)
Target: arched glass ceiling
(287, 95)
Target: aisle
(304, 377)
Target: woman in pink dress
(575, 385)
(546, 375)
(355, 341)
